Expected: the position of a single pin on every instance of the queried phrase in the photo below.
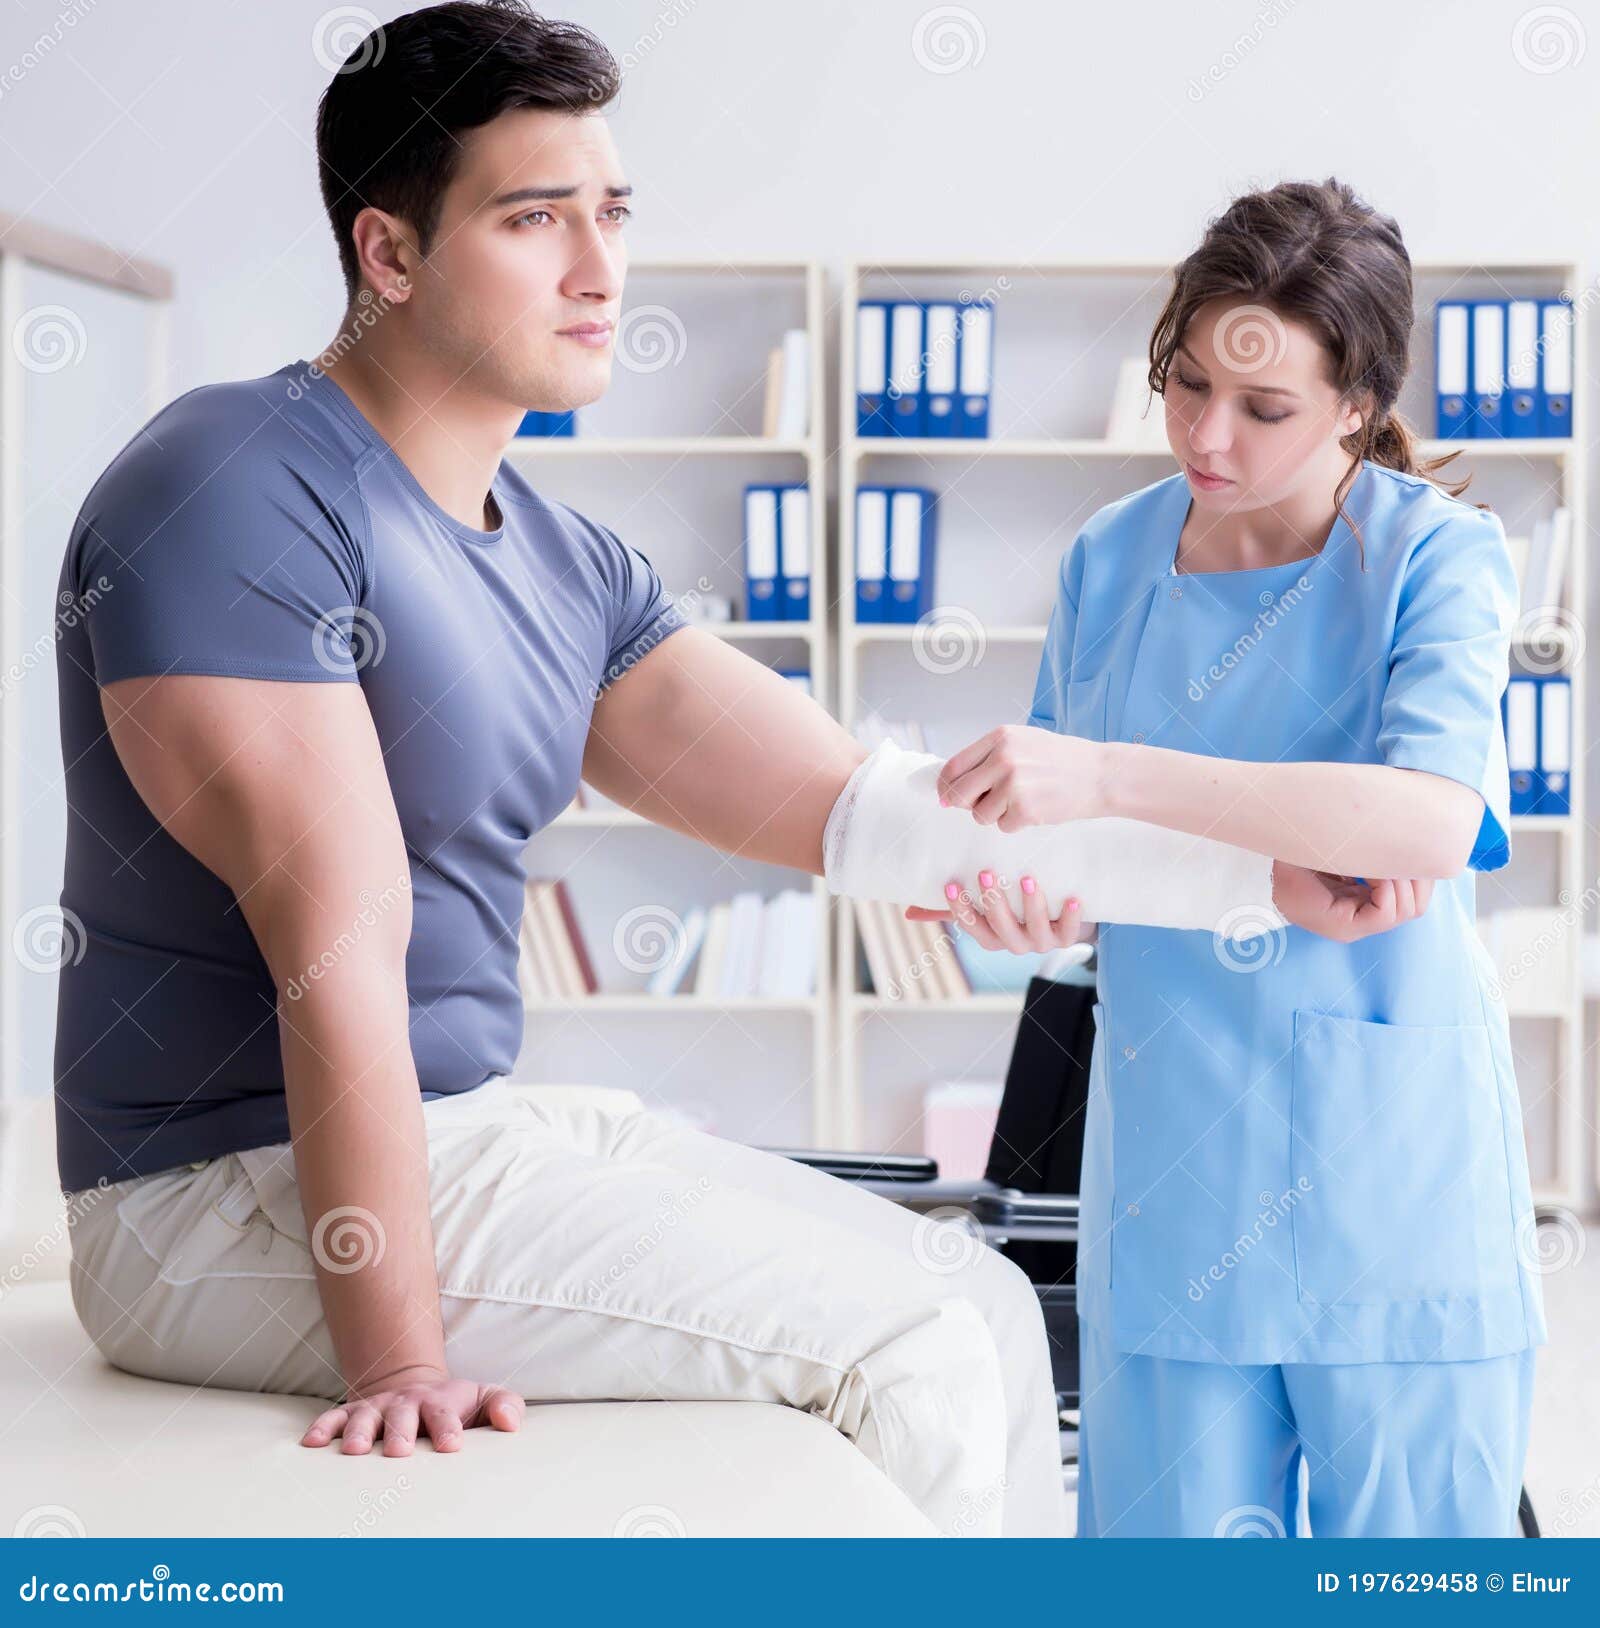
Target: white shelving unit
(1548, 471)
(83, 366)
(733, 453)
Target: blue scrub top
(1298, 1150)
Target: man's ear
(386, 253)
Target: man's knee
(1006, 1297)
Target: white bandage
(888, 838)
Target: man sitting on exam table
(338, 662)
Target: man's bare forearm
(360, 1145)
(361, 1156)
(704, 739)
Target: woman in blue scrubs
(1305, 1202)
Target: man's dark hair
(387, 126)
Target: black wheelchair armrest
(913, 1180)
(868, 1167)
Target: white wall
(181, 130)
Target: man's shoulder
(237, 468)
(235, 436)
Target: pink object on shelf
(958, 1126)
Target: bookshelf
(1523, 480)
(663, 459)
(1062, 328)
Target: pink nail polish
(1029, 886)
(944, 802)
(951, 891)
(985, 878)
(1072, 904)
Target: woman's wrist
(1109, 779)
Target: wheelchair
(1026, 1203)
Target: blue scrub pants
(1170, 1448)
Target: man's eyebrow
(550, 195)
(1254, 389)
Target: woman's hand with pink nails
(990, 920)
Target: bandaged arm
(888, 838)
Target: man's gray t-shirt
(263, 529)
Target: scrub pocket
(1398, 1162)
(1086, 707)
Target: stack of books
(554, 962)
(747, 948)
(786, 404)
(1541, 562)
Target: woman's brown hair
(1318, 255)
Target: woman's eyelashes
(1198, 386)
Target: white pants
(598, 1252)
